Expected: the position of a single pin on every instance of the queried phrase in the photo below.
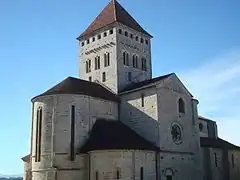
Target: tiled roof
(112, 134)
(78, 86)
(26, 158)
(217, 143)
(145, 83)
(113, 12)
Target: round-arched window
(176, 131)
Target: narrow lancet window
(38, 135)
(72, 151)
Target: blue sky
(199, 40)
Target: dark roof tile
(78, 86)
(112, 134)
(144, 83)
(217, 143)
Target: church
(118, 122)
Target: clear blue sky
(199, 40)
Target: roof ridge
(114, 9)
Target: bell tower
(115, 50)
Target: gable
(173, 83)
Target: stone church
(118, 122)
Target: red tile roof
(113, 12)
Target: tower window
(233, 164)
(38, 135)
(141, 173)
(142, 100)
(129, 76)
(72, 142)
(97, 62)
(126, 33)
(88, 41)
(107, 59)
(131, 36)
(83, 43)
(111, 31)
(135, 61)
(93, 39)
(105, 34)
(125, 58)
(99, 36)
(104, 77)
(181, 106)
(120, 31)
(88, 66)
(142, 40)
(136, 38)
(90, 78)
(146, 41)
(144, 64)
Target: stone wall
(234, 164)
(133, 47)
(55, 146)
(98, 48)
(142, 120)
(128, 163)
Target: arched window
(125, 58)
(181, 106)
(135, 61)
(169, 174)
(144, 64)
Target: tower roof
(113, 12)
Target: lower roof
(217, 143)
(73, 85)
(113, 134)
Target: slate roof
(26, 158)
(113, 12)
(145, 83)
(78, 86)
(217, 143)
(112, 134)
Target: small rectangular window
(126, 33)
(131, 36)
(103, 77)
(129, 76)
(83, 43)
(93, 39)
(142, 100)
(120, 31)
(111, 31)
(72, 141)
(90, 78)
(141, 40)
(105, 34)
(136, 38)
(88, 41)
(99, 36)
(141, 173)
